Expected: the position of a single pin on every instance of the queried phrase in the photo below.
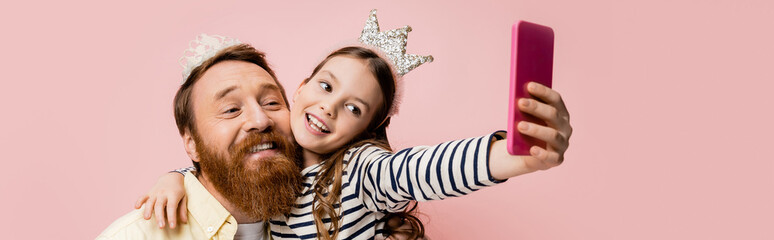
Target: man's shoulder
(131, 226)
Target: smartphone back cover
(532, 57)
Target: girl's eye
(325, 86)
(354, 109)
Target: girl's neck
(311, 158)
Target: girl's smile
(316, 126)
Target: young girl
(339, 118)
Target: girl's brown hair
(327, 188)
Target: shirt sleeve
(387, 181)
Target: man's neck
(239, 215)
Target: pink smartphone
(532, 58)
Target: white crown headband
(202, 48)
(393, 44)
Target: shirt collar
(204, 208)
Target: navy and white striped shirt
(376, 181)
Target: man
(232, 115)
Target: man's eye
(354, 109)
(271, 104)
(325, 86)
(232, 110)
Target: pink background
(670, 101)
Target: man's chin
(274, 182)
(261, 184)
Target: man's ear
(190, 145)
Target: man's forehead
(227, 76)
(261, 88)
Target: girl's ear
(295, 95)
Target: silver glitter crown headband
(393, 44)
(202, 48)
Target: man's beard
(261, 191)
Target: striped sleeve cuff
(484, 176)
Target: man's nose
(257, 120)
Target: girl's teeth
(316, 124)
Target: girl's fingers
(183, 210)
(159, 209)
(140, 201)
(540, 110)
(171, 214)
(546, 159)
(553, 110)
(534, 162)
(544, 93)
(556, 135)
(148, 208)
(552, 137)
(547, 95)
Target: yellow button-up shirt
(207, 219)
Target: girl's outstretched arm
(386, 181)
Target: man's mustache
(254, 139)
